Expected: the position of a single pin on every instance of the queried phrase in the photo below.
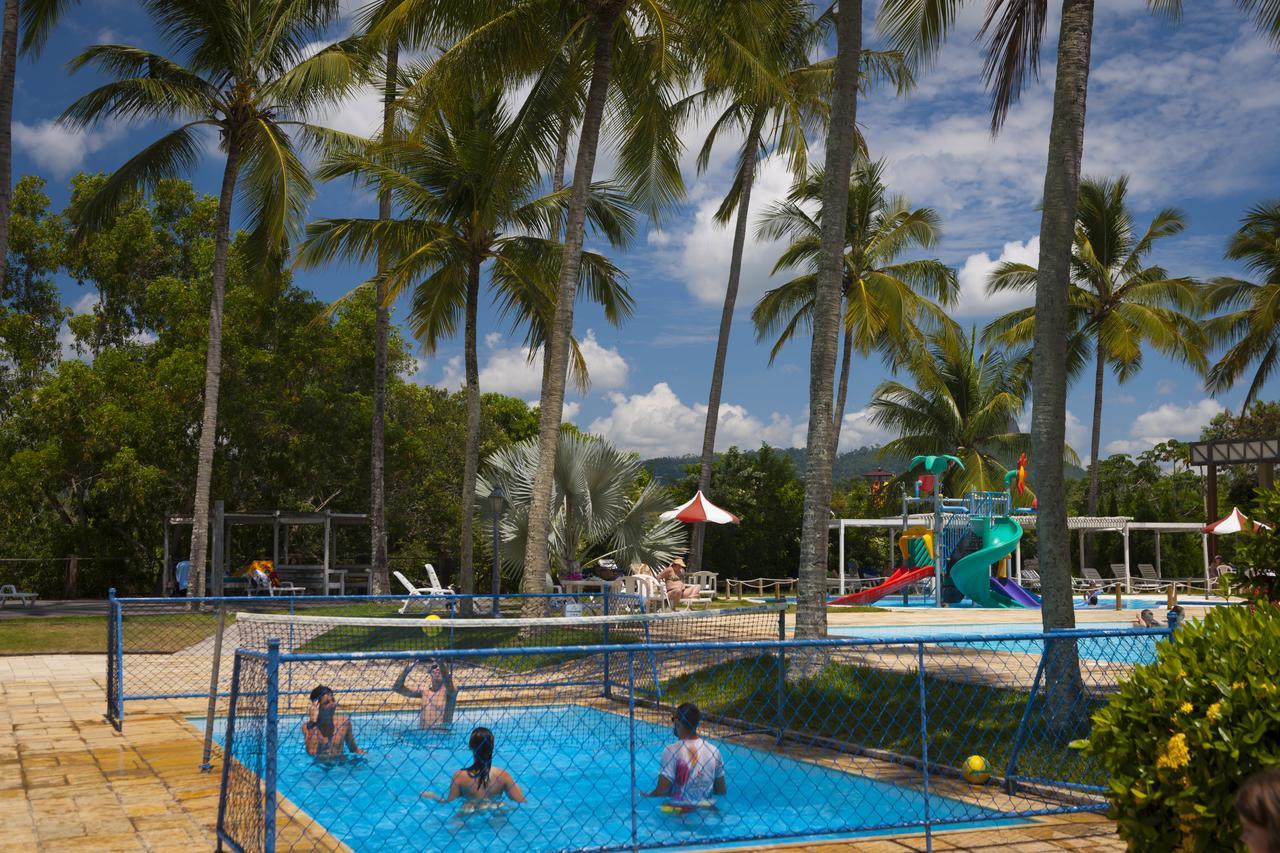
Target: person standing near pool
(481, 784)
(439, 695)
(324, 732)
(691, 769)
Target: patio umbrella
(1233, 523)
(698, 508)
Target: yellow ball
(976, 770)
(431, 630)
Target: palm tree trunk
(562, 153)
(1094, 440)
(467, 569)
(551, 400)
(749, 156)
(8, 76)
(379, 580)
(213, 371)
(1057, 231)
(811, 603)
(842, 390)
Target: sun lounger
(1091, 580)
(8, 591)
(1136, 584)
(1149, 574)
(427, 596)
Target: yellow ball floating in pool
(976, 770)
(430, 629)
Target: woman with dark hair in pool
(481, 784)
(324, 732)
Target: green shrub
(1182, 733)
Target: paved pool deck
(69, 781)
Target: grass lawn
(42, 635)
(879, 709)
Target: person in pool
(1258, 805)
(691, 769)
(1146, 619)
(482, 785)
(439, 695)
(325, 733)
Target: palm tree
(965, 403)
(1116, 303)
(596, 511)
(468, 183)
(811, 609)
(38, 18)
(249, 75)
(1251, 325)
(889, 304)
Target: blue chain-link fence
(814, 739)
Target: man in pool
(325, 733)
(691, 768)
(1146, 619)
(439, 695)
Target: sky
(1187, 110)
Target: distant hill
(853, 463)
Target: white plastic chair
(9, 591)
(426, 595)
(707, 585)
(651, 591)
(260, 584)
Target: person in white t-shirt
(691, 769)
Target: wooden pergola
(327, 577)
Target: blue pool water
(574, 764)
(1105, 602)
(1134, 649)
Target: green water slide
(972, 572)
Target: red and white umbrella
(1233, 523)
(698, 508)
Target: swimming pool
(1135, 649)
(1105, 602)
(574, 764)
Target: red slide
(896, 581)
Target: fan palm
(965, 403)
(889, 304)
(595, 508)
(249, 73)
(467, 187)
(1251, 325)
(1117, 304)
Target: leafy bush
(1260, 552)
(1183, 732)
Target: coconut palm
(811, 605)
(467, 185)
(1251, 325)
(249, 74)
(965, 403)
(38, 18)
(889, 304)
(1117, 304)
(595, 508)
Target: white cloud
(509, 370)
(61, 149)
(1165, 422)
(1165, 387)
(1076, 433)
(571, 410)
(973, 274)
(856, 431)
(658, 423)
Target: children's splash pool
(1136, 649)
(575, 766)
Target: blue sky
(1187, 110)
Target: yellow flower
(1214, 712)
(1175, 753)
(1186, 708)
(1237, 685)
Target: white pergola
(1082, 524)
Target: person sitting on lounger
(691, 769)
(324, 732)
(673, 577)
(439, 695)
(481, 784)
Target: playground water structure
(968, 537)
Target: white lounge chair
(1137, 584)
(427, 596)
(552, 586)
(1091, 581)
(9, 591)
(651, 591)
(706, 582)
(260, 584)
(1149, 574)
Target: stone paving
(68, 781)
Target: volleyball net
(818, 737)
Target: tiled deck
(68, 781)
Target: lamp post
(496, 499)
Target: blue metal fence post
(924, 752)
(273, 718)
(608, 689)
(1011, 769)
(631, 744)
(119, 620)
(781, 687)
(221, 825)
